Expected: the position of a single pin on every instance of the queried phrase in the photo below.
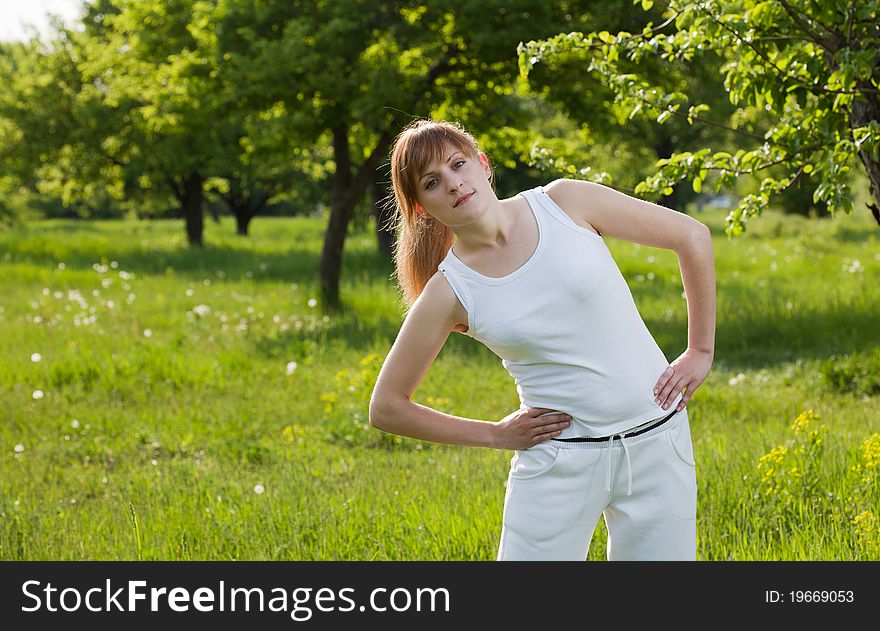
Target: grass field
(164, 403)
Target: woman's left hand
(687, 372)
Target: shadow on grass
(753, 341)
(296, 265)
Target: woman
(603, 428)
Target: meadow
(164, 403)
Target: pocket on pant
(679, 437)
(535, 461)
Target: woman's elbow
(380, 412)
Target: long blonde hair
(422, 241)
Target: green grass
(160, 419)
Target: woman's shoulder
(440, 297)
(572, 197)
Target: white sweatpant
(645, 487)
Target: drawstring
(608, 473)
(629, 470)
(629, 473)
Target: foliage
(812, 68)
(856, 373)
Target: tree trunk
(345, 193)
(384, 214)
(245, 205)
(341, 211)
(192, 209)
(866, 108)
(241, 223)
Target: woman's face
(458, 190)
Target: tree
(811, 69)
(359, 71)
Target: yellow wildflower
(802, 423)
(871, 451)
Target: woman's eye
(459, 162)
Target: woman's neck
(493, 230)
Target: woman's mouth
(463, 199)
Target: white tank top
(566, 327)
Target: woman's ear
(485, 162)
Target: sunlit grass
(199, 404)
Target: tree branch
(828, 43)
(849, 25)
(812, 88)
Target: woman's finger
(675, 385)
(684, 399)
(663, 380)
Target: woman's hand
(528, 427)
(686, 372)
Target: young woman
(603, 428)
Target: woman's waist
(612, 417)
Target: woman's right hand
(528, 427)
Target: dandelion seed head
(259, 488)
(38, 394)
(312, 303)
(291, 367)
(74, 423)
(19, 448)
(148, 333)
(36, 357)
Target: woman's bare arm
(620, 216)
(423, 333)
